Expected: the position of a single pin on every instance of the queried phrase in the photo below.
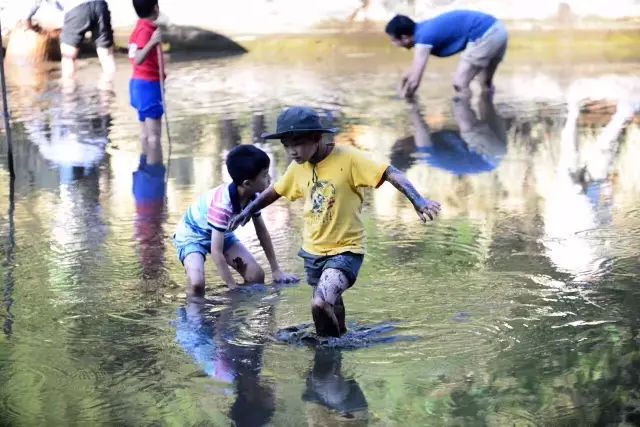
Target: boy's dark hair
(246, 162)
(144, 8)
(400, 25)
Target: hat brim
(280, 135)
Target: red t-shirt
(149, 69)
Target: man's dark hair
(400, 25)
(144, 8)
(246, 162)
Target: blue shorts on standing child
(146, 98)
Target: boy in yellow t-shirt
(330, 179)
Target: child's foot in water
(325, 320)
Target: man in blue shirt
(481, 38)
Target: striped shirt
(212, 211)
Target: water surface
(518, 306)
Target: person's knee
(334, 278)
(68, 51)
(152, 140)
(194, 268)
(195, 277)
(317, 302)
(254, 274)
(460, 84)
(153, 133)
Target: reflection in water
(478, 146)
(10, 247)
(327, 386)
(149, 194)
(71, 131)
(228, 346)
(531, 346)
(580, 200)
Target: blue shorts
(146, 97)
(201, 244)
(347, 262)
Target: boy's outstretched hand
(239, 220)
(429, 208)
(280, 276)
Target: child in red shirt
(144, 87)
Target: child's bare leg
(68, 62)
(107, 61)
(465, 72)
(241, 260)
(331, 285)
(153, 131)
(194, 267)
(143, 139)
(340, 312)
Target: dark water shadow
(326, 385)
(357, 336)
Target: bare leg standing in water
(82, 17)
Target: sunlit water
(518, 306)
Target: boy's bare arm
(265, 198)
(423, 206)
(267, 245)
(217, 245)
(141, 54)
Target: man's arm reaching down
(411, 80)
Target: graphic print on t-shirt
(322, 197)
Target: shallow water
(517, 306)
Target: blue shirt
(449, 33)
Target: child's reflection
(326, 386)
(228, 346)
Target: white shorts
(490, 48)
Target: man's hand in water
(280, 276)
(428, 208)
(410, 86)
(239, 220)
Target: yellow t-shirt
(332, 199)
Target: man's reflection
(70, 127)
(326, 386)
(228, 346)
(477, 146)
